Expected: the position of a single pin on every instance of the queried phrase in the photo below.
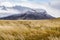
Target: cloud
(31, 5)
(52, 11)
(7, 4)
(24, 0)
(10, 11)
(52, 7)
(55, 4)
(4, 13)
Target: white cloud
(7, 4)
(24, 0)
(52, 9)
(55, 4)
(31, 5)
(4, 13)
(10, 11)
(4, 0)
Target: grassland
(30, 30)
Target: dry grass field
(30, 30)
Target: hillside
(30, 30)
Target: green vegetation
(30, 30)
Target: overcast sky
(51, 6)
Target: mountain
(27, 14)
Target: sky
(51, 6)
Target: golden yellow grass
(30, 30)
